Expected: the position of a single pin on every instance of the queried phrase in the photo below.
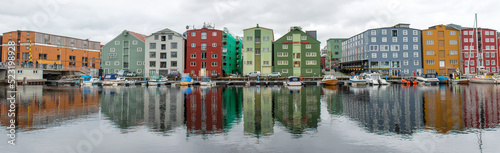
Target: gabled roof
(295, 28)
(138, 35)
(167, 31)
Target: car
(174, 74)
(131, 74)
(253, 74)
(274, 74)
(123, 72)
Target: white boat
(357, 80)
(206, 81)
(157, 80)
(294, 81)
(130, 82)
(428, 79)
(113, 79)
(486, 78)
(91, 82)
(372, 78)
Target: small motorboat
(428, 79)
(372, 78)
(206, 81)
(294, 81)
(186, 81)
(87, 80)
(443, 79)
(486, 78)
(357, 80)
(156, 80)
(329, 80)
(112, 79)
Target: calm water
(256, 119)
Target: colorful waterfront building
(392, 50)
(204, 51)
(164, 53)
(440, 49)
(334, 49)
(231, 53)
(297, 53)
(124, 52)
(257, 52)
(49, 51)
(483, 58)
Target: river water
(396, 118)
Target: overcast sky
(102, 20)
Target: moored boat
(186, 81)
(443, 79)
(487, 78)
(329, 80)
(110, 79)
(428, 79)
(294, 81)
(460, 81)
(206, 81)
(157, 80)
(357, 80)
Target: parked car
(131, 74)
(274, 74)
(123, 72)
(253, 74)
(174, 74)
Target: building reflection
(258, 111)
(443, 109)
(383, 109)
(204, 110)
(232, 106)
(123, 105)
(163, 108)
(333, 99)
(40, 107)
(298, 109)
(481, 106)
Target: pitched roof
(138, 35)
(167, 31)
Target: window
(471, 40)
(466, 47)
(282, 62)
(492, 54)
(415, 47)
(465, 32)
(470, 32)
(374, 39)
(429, 42)
(384, 47)
(373, 47)
(429, 52)
(487, 48)
(214, 64)
(466, 39)
(282, 54)
(308, 46)
(384, 55)
(384, 32)
(139, 62)
(415, 54)
(214, 44)
(415, 39)
(405, 47)
(309, 70)
(466, 62)
(429, 33)
(266, 38)
(152, 54)
(249, 62)
(487, 62)
(139, 49)
(405, 39)
(193, 33)
(384, 39)
(453, 42)
(169, 37)
(453, 33)
(394, 55)
(203, 46)
(117, 63)
(311, 62)
(492, 62)
(466, 55)
(394, 47)
(173, 45)
(152, 63)
(163, 46)
(493, 69)
(394, 33)
(492, 47)
(374, 55)
(471, 55)
(415, 63)
(374, 32)
(257, 51)
(117, 42)
(266, 49)
(203, 35)
(471, 62)
(152, 45)
(108, 63)
(134, 42)
(249, 49)
(431, 71)
(441, 63)
(249, 38)
(491, 33)
(289, 38)
(310, 54)
(173, 63)
(214, 56)
(405, 62)
(303, 38)
(285, 46)
(163, 64)
(193, 64)
(173, 54)
(163, 55)
(405, 54)
(284, 70)
(112, 50)
(453, 52)
(394, 39)
(415, 32)
(203, 55)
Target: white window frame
(117, 63)
(384, 55)
(374, 55)
(285, 46)
(384, 39)
(112, 50)
(108, 63)
(308, 46)
(405, 55)
(303, 37)
(192, 64)
(289, 37)
(139, 49)
(117, 42)
(284, 71)
(394, 55)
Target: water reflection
(258, 118)
(42, 107)
(204, 111)
(124, 106)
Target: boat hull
(460, 81)
(294, 83)
(183, 83)
(207, 83)
(482, 81)
(330, 82)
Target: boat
(486, 78)
(329, 80)
(428, 79)
(157, 80)
(186, 81)
(87, 80)
(357, 80)
(460, 81)
(294, 81)
(382, 81)
(130, 82)
(112, 79)
(372, 78)
(443, 79)
(206, 81)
